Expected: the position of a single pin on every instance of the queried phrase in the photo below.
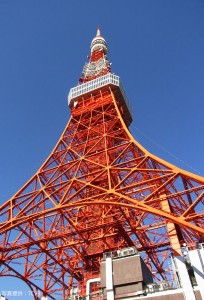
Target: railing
(121, 253)
(93, 85)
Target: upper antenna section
(98, 64)
(99, 42)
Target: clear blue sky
(157, 47)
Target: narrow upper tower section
(97, 78)
(98, 64)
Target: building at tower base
(124, 275)
(130, 275)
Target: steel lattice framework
(99, 190)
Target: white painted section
(184, 278)
(93, 85)
(197, 262)
(109, 279)
(88, 283)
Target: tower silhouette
(98, 191)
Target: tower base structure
(124, 275)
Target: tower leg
(173, 237)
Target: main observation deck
(109, 81)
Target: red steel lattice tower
(99, 190)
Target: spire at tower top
(98, 32)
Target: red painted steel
(98, 191)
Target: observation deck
(107, 82)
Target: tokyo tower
(99, 191)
